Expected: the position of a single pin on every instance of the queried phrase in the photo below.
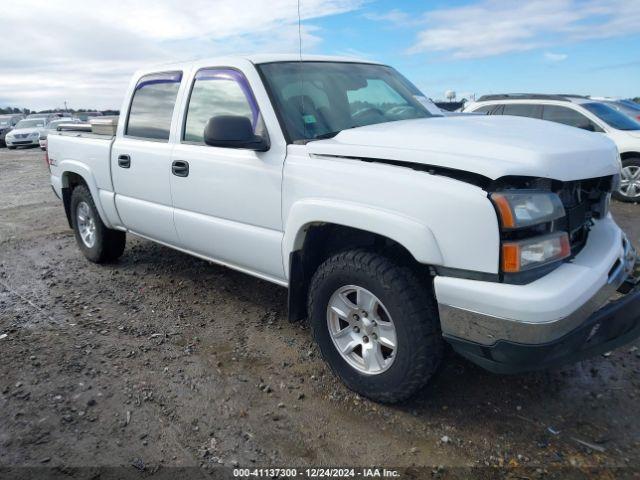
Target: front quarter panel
(440, 220)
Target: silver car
(26, 133)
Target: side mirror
(233, 131)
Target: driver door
(227, 202)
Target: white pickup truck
(396, 229)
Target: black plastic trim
(298, 285)
(613, 326)
(467, 274)
(461, 175)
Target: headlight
(35, 134)
(518, 256)
(519, 209)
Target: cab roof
(255, 59)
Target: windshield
(30, 123)
(611, 116)
(630, 104)
(319, 99)
(627, 109)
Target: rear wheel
(376, 325)
(629, 190)
(97, 242)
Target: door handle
(124, 161)
(180, 168)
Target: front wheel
(97, 242)
(629, 190)
(376, 324)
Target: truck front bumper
(564, 317)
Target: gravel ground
(165, 360)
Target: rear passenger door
(227, 201)
(141, 158)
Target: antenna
(299, 32)
(304, 125)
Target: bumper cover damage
(614, 325)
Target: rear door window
(152, 106)
(523, 110)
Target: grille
(584, 201)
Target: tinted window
(218, 92)
(612, 117)
(484, 109)
(555, 113)
(522, 110)
(152, 106)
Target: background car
(7, 123)
(628, 107)
(26, 133)
(581, 112)
(52, 126)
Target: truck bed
(91, 151)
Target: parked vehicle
(396, 229)
(52, 126)
(581, 112)
(7, 123)
(46, 116)
(628, 107)
(26, 133)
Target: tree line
(70, 111)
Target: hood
(492, 146)
(19, 131)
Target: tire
(11, 148)
(629, 190)
(100, 244)
(410, 307)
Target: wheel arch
(315, 231)
(628, 155)
(73, 175)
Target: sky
(84, 51)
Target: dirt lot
(166, 360)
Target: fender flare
(416, 237)
(81, 169)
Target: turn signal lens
(519, 209)
(534, 252)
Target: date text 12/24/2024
(316, 472)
